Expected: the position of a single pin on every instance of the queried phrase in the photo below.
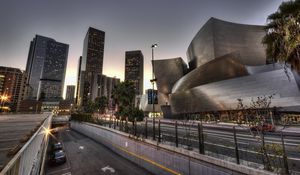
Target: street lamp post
(153, 76)
(153, 81)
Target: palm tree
(124, 93)
(101, 103)
(283, 35)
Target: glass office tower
(46, 68)
(91, 64)
(134, 69)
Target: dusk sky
(129, 25)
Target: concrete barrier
(30, 159)
(161, 159)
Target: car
(54, 131)
(58, 157)
(57, 146)
(264, 127)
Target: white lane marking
(68, 130)
(68, 173)
(81, 147)
(126, 144)
(104, 169)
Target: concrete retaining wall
(161, 159)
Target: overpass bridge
(93, 149)
(24, 140)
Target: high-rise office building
(78, 82)
(134, 69)
(70, 93)
(2, 79)
(12, 86)
(103, 85)
(91, 64)
(46, 68)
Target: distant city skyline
(130, 25)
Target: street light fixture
(3, 98)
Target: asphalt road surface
(87, 157)
(13, 128)
(219, 143)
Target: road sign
(150, 101)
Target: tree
(124, 93)
(258, 115)
(135, 113)
(283, 35)
(90, 107)
(101, 103)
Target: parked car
(57, 146)
(264, 127)
(58, 157)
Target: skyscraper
(91, 63)
(78, 81)
(70, 93)
(104, 85)
(134, 69)
(12, 85)
(46, 68)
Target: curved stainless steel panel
(167, 72)
(265, 68)
(222, 68)
(223, 95)
(217, 38)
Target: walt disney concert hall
(226, 62)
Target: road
(87, 157)
(219, 142)
(13, 128)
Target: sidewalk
(286, 129)
(290, 129)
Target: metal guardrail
(29, 158)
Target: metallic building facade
(227, 62)
(91, 64)
(223, 95)
(168, 72)
(217, 38)
(46, 69)
(134, 69)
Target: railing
(29, 159)
(229, 143)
